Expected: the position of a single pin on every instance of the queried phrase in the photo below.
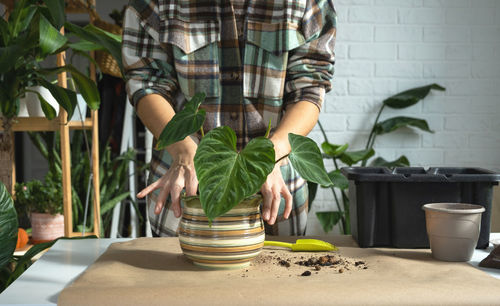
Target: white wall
(387, 46)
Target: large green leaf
(185, 122)
(65, 97)
(4, 32)
(50, 40)
(338, 179)
(306, 158)
(56, 9)
(410, 97)
(395, 123)
(109, 42)
(47, 109)
(333, 149)
(8, 226)
(350, 158)
(402, 161)
(312, 189)
(85, 46)
(25, 19)
(8, 57)
(108, 205)
(225, 176)
(329, 219)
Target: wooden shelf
(41, 124)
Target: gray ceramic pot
(453, 229)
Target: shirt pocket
(266, 57)
(195, 51)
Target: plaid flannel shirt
(283, 55)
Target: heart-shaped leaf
(8, 226)
(225, 176)
(333, 149)
(402, 161)
(395, 123)
(306, 158)
(350, 158)
(185, 122)
(410, 97)
(338, 179)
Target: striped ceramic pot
(231, 242)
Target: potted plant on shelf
(42, 201)
(30, 35)
(229, 182)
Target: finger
(191, 185)
(148, 189)
(266, 202)
(175, 194)
(162, 198)
(288, 201)
(276, 201)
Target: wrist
(183, 151)
(281, 146)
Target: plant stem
(374, 125)
(202, 132)
(282, 157)
(322, 131)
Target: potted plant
(30, 35)
(229, 182)
(42, 201)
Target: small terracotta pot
(453, 229)
(46, 227)
(231, 242)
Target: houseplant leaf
(400, 162)
(185, 122)
(395, 123)
(333, 149)
(328, 219)
(56, 9)
(306, 158)
(410, 97)
(65, 97)
(50, 39)
(338, 179)
(110, 42)
(47, 109)
(350, 158)
(8, 226)
(225, 176)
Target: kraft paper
(153, 271)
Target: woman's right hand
(180, 175)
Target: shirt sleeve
(310, 66)
(148, 64)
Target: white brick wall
(387, 46)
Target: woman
(256, 61)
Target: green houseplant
(228, 185)
(113, 175)
(30, 35)
(11, 266)
(41, 201)
(339, 153)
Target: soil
(284, 263)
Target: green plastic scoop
(304, 245)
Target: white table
(48, 276)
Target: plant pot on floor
(232, 241)
(46, 227)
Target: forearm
(299, 118)
(155, 113)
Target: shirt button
(235, 76)
(234, 116)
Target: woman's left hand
(272, 190)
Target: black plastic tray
(386, 205)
